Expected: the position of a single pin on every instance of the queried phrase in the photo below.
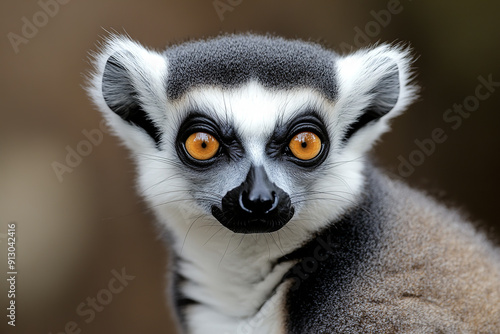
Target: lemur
(251, 151)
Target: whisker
(189, 229)
(239, 244)
(281, 250)
(227, 247)
(213, 235)
(268, 247)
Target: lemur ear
(128, 86)
(374, 86)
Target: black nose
(259, 196)
(258, 201)
(256, 206)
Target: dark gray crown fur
(232, 60)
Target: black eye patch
(278, 146)
(230, 146)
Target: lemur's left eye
(202, 146)
(305, 145)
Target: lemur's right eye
(202, 146)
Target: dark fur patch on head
(235, 59)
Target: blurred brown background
(72, 234)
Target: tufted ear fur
(128, 86)
(374, 86)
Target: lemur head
(251, 132)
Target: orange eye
(202, 146)
(305, 145)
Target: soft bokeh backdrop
(74, 235)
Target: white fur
(358, 74)
(232, 275)
(147, 69)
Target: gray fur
(235, 59)
(399, 262)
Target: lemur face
(253, 133)
(252, 164)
